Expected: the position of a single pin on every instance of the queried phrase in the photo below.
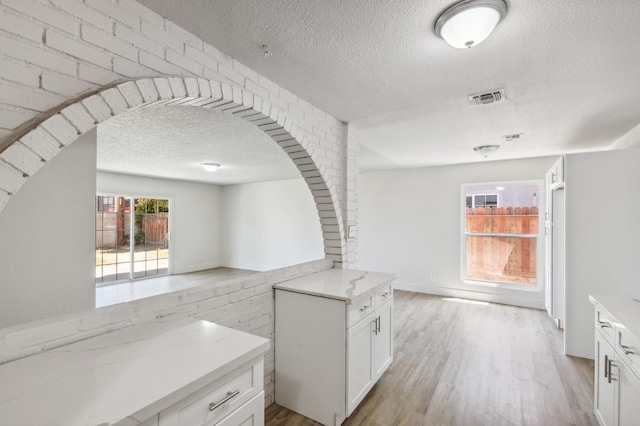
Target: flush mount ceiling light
(485, 150)
(210, 167)
(469, 22)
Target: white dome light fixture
(210, 167)
(485, 150)
(469, 22)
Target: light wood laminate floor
(470, 364)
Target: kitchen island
(143, 374)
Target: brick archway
(27, 154)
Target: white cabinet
(383, 341)
(217, 403)
(171, 371)
(604, 390)
(370, 352)
(628, 396)
(334, 339)
(617, 362)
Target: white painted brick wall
(15, 24)
(85, 13)
(105, 42)
(32, 53)
(115, 12)
(41, 12)
(20, 72)
(74, 48)
(61, 129)
(22, 158)
(64, 85)
(28, 97)
(11, 117)
(244, 303)
(42, 143)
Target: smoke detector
(512, 137)
(487, 97)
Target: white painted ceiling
(173, 141)
(570, 70)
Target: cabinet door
(359, 365)
(383, 340)
(628, 396)
(603, 386)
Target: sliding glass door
(132, 237)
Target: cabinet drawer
(250, 414)
(628, 348)
(217, 400)
(359, 308)
(604, 323)
(383, 295)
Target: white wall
(602, 237)
(410, 225)
(270, 225)
(47, 239)
(195, 212)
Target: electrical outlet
(432, 278)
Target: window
(500, 232)
(119, 256)
(482, 200)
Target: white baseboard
(505, 299)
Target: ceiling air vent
(512, 137)
(487, 98)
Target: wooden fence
(112, 229)
(156, 228)
(502, 259)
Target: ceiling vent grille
(512, 137)
(487, 98)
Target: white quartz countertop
(625, 310)
(341, 284)
(122, 377)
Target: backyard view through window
(132, 237)
(500, 239)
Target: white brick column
(350, 194)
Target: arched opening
(58, 133)
(64, 127)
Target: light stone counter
(122, 377)
(340, 284)
(625, 310)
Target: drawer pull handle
(606, 366)
(230, 395)
(364, 307)
(385, 294)
(604, 324)
(626, 350)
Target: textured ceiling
(569, 69)
(172, 142)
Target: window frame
(132, 199)
(539, 286)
